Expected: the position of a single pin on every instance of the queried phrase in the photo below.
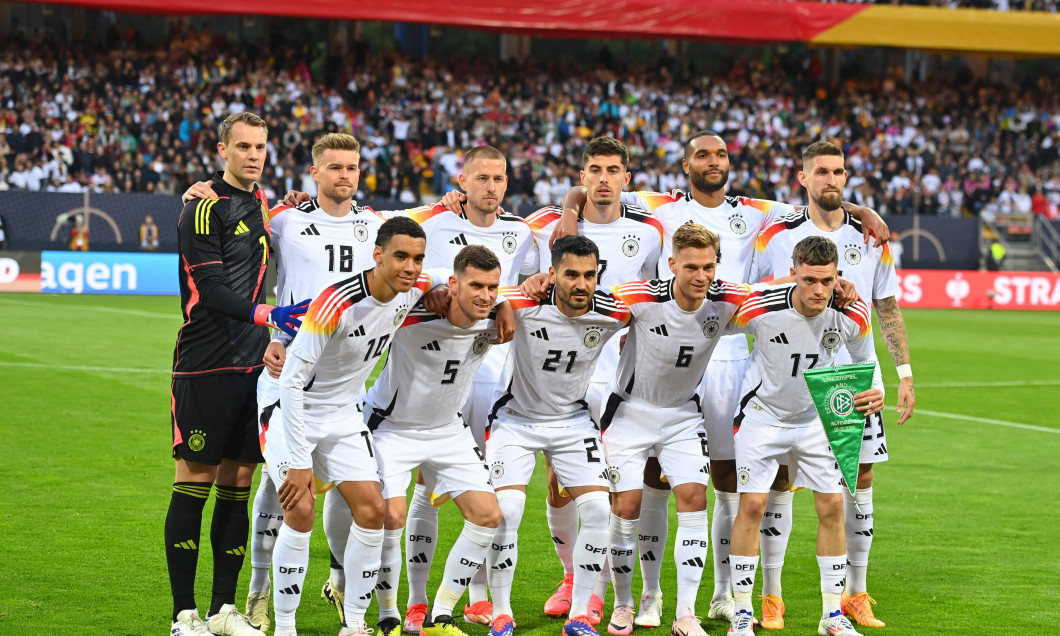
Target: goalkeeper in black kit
(224, 253)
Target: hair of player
(815, 251)
(696, 135)
(575, 246)
(821, 149)
(224, 131)
(335, 141)
(606, 147)
(696, 236)
(482, 152)
(478, 256)
(398, 225)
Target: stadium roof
(749, 21)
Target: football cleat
(722, 609)
(188, 623)
(859, 608)
(579, 626)
(772, 612)
(480, 613)
(441, 625)
(650, 614)
(389, 626)
(621, 623)
(258, 610)
(687, 625)
(357, 630)
(414, 616)
(229, 622)
(335, 597)
(559, 603)
(596, 610)
(836, 625)
(742, 624)
(503, 625)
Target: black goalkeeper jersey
(224, 251)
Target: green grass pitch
(966, 508)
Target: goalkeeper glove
(287, 318)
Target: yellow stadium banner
(964, 30)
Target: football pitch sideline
(966, 511)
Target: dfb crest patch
(509, 243)
(592, 338)
(360, 232)
(482, 342)
(743, 476)
(711, 328)
(831, 339)
(852, 256)
(737, 224)
(497, 471)
(630, 246)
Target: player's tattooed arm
(871, 223)
(892, 325)
(573, 202)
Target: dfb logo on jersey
(482, 342)
(401, 313)
(831, 339)
(711, 328)
(630, 246)
(509, 243)
(593, 336)
(737, 224)
(852, 255)
(360, 231)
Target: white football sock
(337, 523)
(386, 587)
(290, 560)
(265, 522)
(743, 569)
(859, 529)
(690, 555)
(563, 524)
(590, 553)
(652, 533)
(364, 553)
(833, 578)
(623, 559)
(421, 536)
(465, 559)
(504, 553)
(775, 531)
(726, 505)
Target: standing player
(737, 221)
(413, 413)
(871, 269)
(796, 326)
(224, 250)
(557, 343)
(629, 240)
(321, 433)
(653, 409)
(319, 240)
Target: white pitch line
(986, 420)
(125, 312)
(75, 367)
(970, 385)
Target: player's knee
(626, 505)
(864, 476)
(370, 514)
(753, 506)
(302, 516)
(594, 509)
(487, 517)
(830, 508)
(394, 520)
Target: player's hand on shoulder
(437, 300)
(454, 201)
(845, 292)
(275, 356)
(873, 226)
(297, 485)
(505, 322)
(294, 197)
(869, 402)
(199, 190)
(535, 286)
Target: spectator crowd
(121, 115)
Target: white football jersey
(667, 349)
(737, 222)
(319, 248)
(429, 370)
(342, 335)
(555, 355)
(786, 344)
(510, 238)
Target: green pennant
(833, 390)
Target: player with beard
(871, 269)
(737, 221)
